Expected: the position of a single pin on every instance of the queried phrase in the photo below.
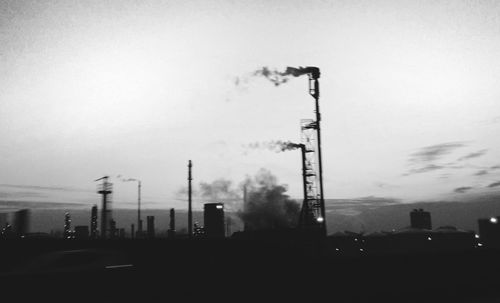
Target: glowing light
(429, 238)
(320, 219)
(493, 220)
(337, 249)
(479, 244)
(219, 206)
(476, 236)
(361, 249)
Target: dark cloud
(494, 184)
(481, 172)
(495, 167)
(434, 152)
(473, 155)
(462, 189)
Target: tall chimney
(190, 212)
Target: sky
(409, 96)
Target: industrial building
(489, 231)
(150, 226)
(214, 220)
(21, 222)
(420, 219)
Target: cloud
(54, 188)
(7, 205)
(473, 155)
(494, 184)
(462, 189)
(495, 167)
(435, 152)
(21, 195)
(481, 172)
(427, 168)
(359, 203)
(384, 185)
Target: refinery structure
(310, 223)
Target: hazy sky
(409, 95)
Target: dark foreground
(240, 271)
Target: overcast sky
(409, 95)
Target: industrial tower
(105, 189)
(313, 208)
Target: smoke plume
(220, 190)
(277, 77)
(121, 178)
(267, 206)
(278, 145)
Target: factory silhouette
(283, 253)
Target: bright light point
(429, 238)
(356, 239)
(219, 206)
(476, 236)
(493, 220)
(337, 249)
(479, 244)
(361, 249)
(320, 219)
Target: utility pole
(190, 213)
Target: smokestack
(190, 213)
(139, 221)
(132, 231)
(171, 230)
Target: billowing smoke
(267, 206)
(220, 190)
(277, 77)
(278, 145)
